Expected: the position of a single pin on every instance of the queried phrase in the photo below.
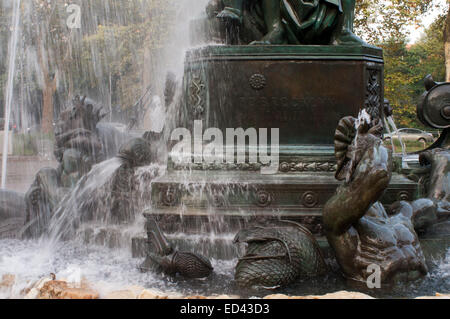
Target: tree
(122, 73)
(447, 45)
(379, 20)
(406, 66)
(46, 31)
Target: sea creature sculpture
(76, 129)
(359, 229)
(277, 256)
(133, 154)
(162, 257)
(433, 110)
(81, 141)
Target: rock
(437, 296)
(277, 296)
(150, 294)
(195, 297)
(120, 294)
(79, 293)
(132, 292)
(52, 289)
(335, 295)
(342, 295)
(57, 289)
(136, 290)
(7, 281)
(175, 296)
(224, 297)
(33, 293)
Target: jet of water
(9, 86)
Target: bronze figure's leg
(272, 17)
(232, 10)
(346, 35)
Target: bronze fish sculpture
(166, 259)
(277, 256)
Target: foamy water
(105, 269)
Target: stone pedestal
(302, 90)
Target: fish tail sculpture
(164, 258)
(277, 256)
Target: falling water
(363, 118)
(395, 130)
(394, 127)
(92, 192)
(10, 85)
(386, 125)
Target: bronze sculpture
(276, 256)
(358, 228)
(48, 188)
(135, 153)
(434, 176)
(162, 257)
(287, 21)
(77, 148)
(76, 129)
(80, 142)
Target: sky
(415, 32)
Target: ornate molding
(284, 167)
(218, 167)
(263, 198)
(308, 167)
(403, 196)
(310, 199)
(197, 94)
(258, 81)
(373, 103)
(168, 196)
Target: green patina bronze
(362, 231)
(278, 255)
(281, 22)
(163, 257)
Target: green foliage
(24, 145)
(379, 20)
(111, 58)
(405, 68)
(384, 23)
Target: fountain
(295, 214)
(301, 90)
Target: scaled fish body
(277, 256)
(165, 259)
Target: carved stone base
(209, 198)
(303, 91)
